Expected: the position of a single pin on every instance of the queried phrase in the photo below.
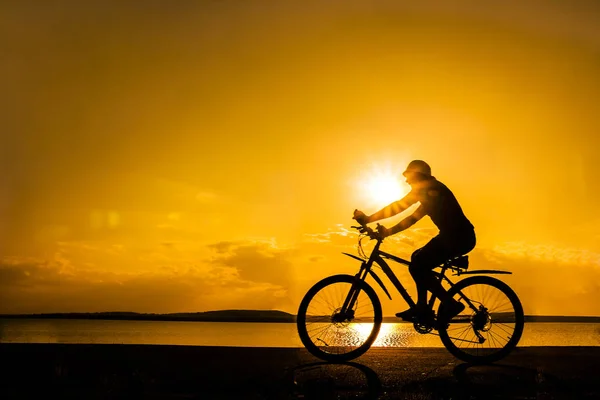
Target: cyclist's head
(417, 170)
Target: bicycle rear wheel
(328, 333)
(490, 326)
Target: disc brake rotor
(341, 320)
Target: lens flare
(382, 186)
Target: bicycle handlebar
(369, 231)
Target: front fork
(347, 310)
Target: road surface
(194, 372)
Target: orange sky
(203, 156)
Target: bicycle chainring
(422, 328)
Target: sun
(382, 187)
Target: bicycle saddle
(459, 262)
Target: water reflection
(404, 335)
(390, 335)
(393, 335)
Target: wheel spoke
(499, 326)
(497, 336)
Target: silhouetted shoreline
(208, 316)
(245, 316)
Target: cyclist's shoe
(452, 309)
(407, 315)
(416, 314)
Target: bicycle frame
(366, 268)
(377, 257)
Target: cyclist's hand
(383, 231)
(360, 217)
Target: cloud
(28, 271)
(548, 253)
(338, 236)
(255, 261)
(172, 276)
(16, 274)
(222, 247)
(29, 285)
(548, 279)
(403, 243)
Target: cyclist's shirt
(439, 203)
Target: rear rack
(479, 271)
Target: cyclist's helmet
(418, 166)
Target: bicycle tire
(480, 355)
(328, 352)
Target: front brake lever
(361, 229)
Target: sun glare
(364, 330)
(382, 187)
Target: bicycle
(339, 318)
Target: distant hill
(246, 316)
(209, 316)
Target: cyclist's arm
(394, 208)
(408, 221)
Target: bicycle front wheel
(491, 324)
(332, 334)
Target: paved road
(178, 372)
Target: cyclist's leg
(456, 245)
(422, 263)
(448, 247)
(424, 260)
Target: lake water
(252, 334)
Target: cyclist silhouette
(456, 235)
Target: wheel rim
(333, 332)
(489, 326)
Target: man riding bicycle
(456, 235)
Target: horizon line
(224, 310)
